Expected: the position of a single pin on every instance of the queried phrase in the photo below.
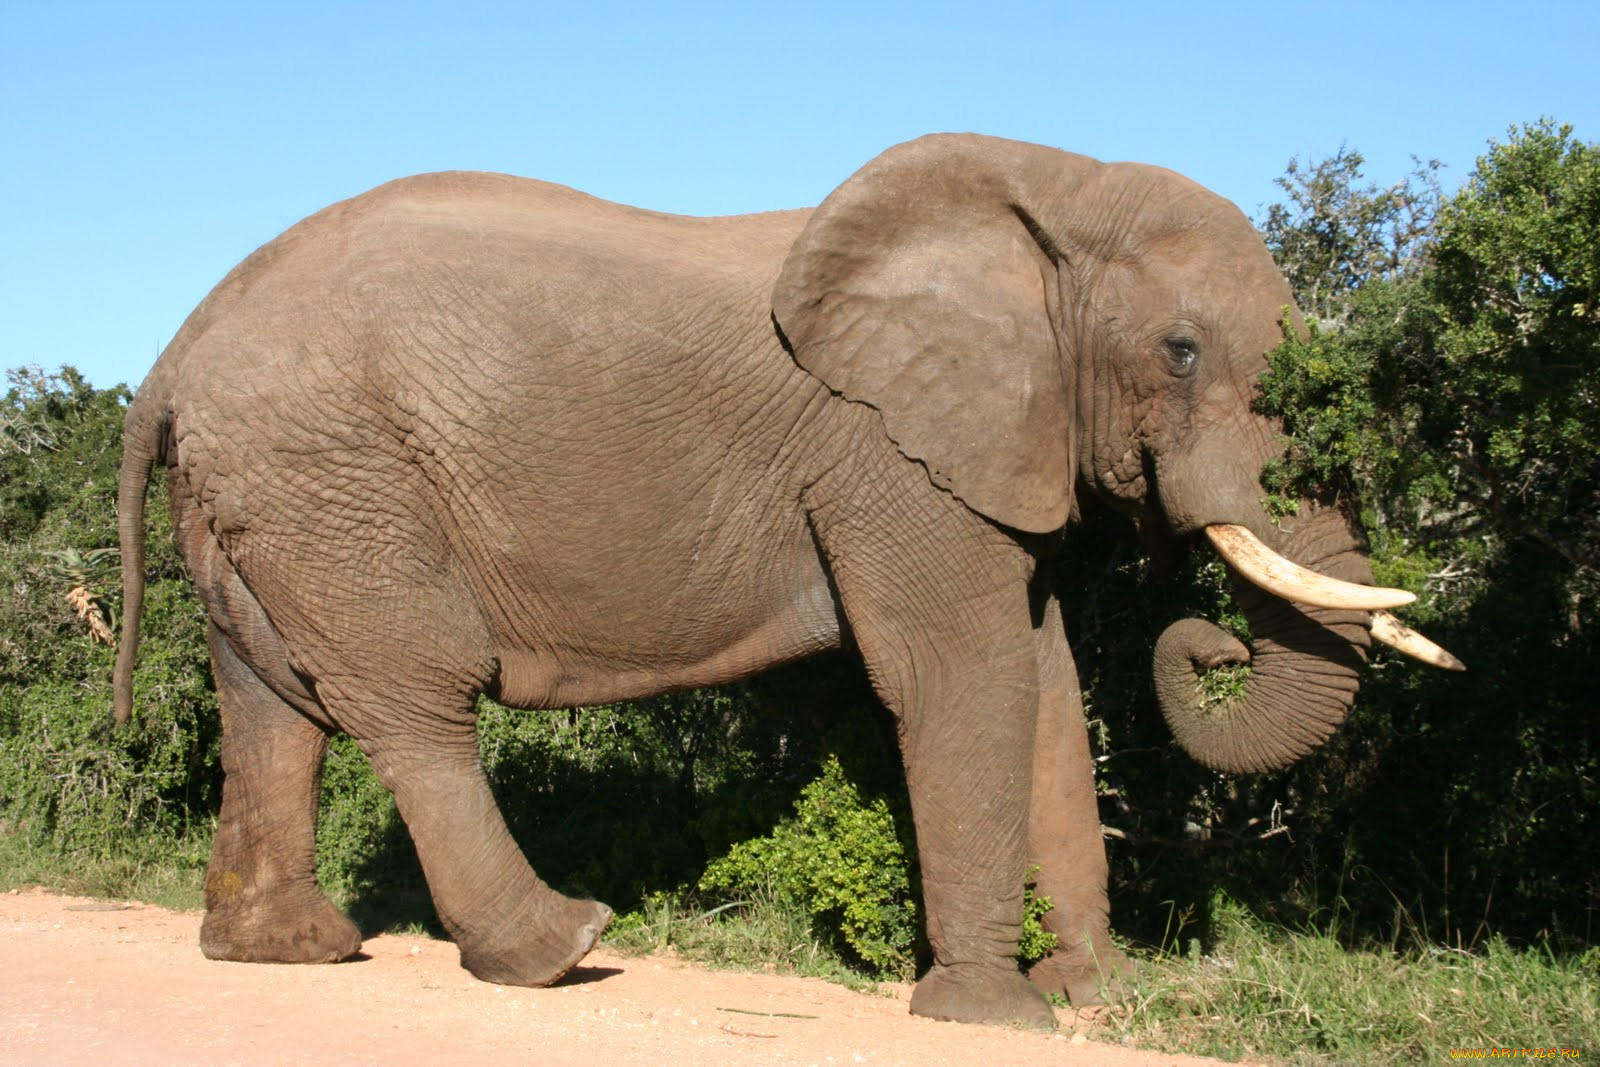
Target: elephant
(470, 433)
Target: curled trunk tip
(1279, 716)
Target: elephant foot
(516, 956)
(974, 994)
(1084, 979)
(290, 927)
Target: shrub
(67, 781)
(840, 859)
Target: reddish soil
(97, 982)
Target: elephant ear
(924, 287)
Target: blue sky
(150, 146)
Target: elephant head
(1033, 325)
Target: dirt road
(93, 982)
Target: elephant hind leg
(395, 650)
(263, 904)
(509, 925)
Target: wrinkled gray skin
(470, 433)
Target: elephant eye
(1182, 355)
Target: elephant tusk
(1397, 635)
(1277, 575)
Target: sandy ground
(96, 982)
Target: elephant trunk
(1304, 669)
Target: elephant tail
(144, 433)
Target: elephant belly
(540, 679)
(679, 621)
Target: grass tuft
(166, 872)
(1269, 993)
(762, 933)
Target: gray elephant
(469, 433)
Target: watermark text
(1554, 1052)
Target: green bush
(620, 802)
(365, 860)
(839, 859)
(68, 782)
(1456, 410)
(1036, 942)
(612, 801)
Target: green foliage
(67, 781)
(621, 802)
(60, 439)
(757, 933)
(1224, 684)
(1511, 340)
(365, 861)
(1318, 386)
(1461, 399)
(1458, 410)
(1036, 942)
(841, 860)
(574, 783)
(1333, 236)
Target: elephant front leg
(967, 752)
(1064, 838)
(938, 607)
(263, 904)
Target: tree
(1334, 236)
(1457, 408)
(1460, 401)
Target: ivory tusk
(1277, 575)
(1397, 635)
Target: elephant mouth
(1253, 560)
